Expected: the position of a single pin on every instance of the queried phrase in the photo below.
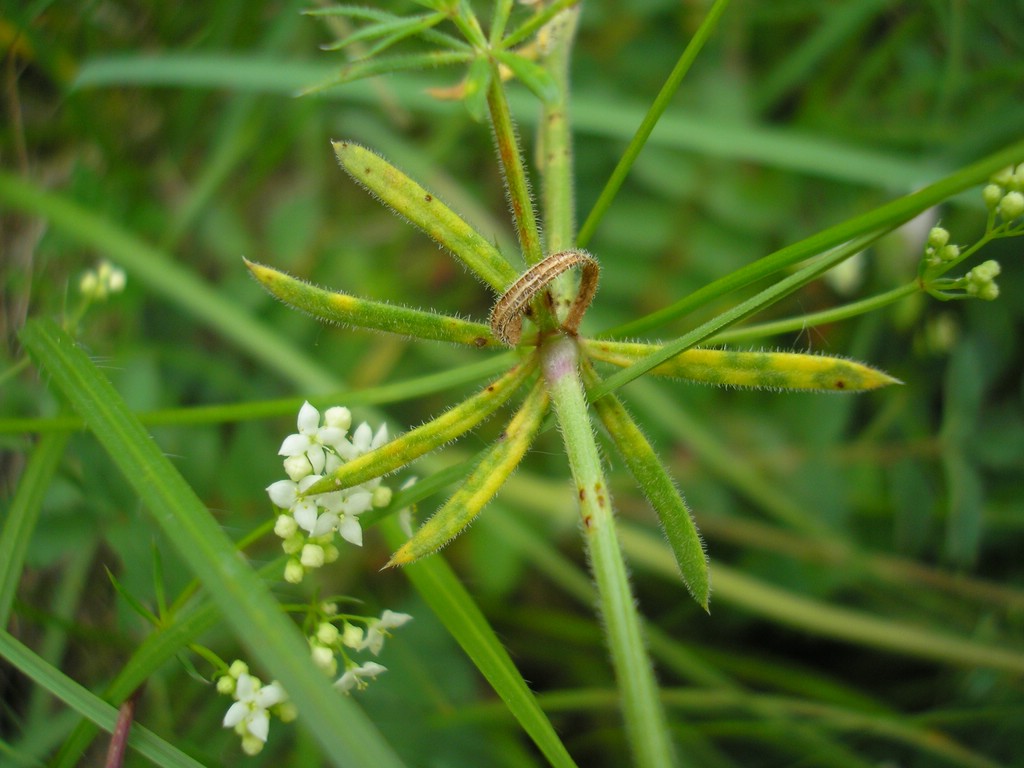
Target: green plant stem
(555, 155)
(812, 319)
(515, 171)
(645, 719)
(650, 120)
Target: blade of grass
(714, 136)
(654, 113)
(23, 513)
(62, 687)
(827, 620)
(453, 605)
(244, 600)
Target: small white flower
(377, 630)
(311, 438)
(356, 677)
(248, 716)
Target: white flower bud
(381, 496)
(238, 668)
(312, 556)
(297, 467)
(293, 572)
(327, 633)
(226, 684)
(323, 657)
(285, 526)
(88, 285)
(352, 637)
(338, 417)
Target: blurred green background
(175, 125)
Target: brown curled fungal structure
(507, 313)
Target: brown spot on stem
(480, 341)
(366, 171)
(428, 198)
(588, 522)
(840, 384)
(583, 494)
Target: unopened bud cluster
(938, 249)
(307, 522)
(1004, 196)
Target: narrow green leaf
(391, 32)
(759, 370)
(425, 438)
(455, 607)
(530, 74)
(744, 309)
(384, 65)
(482, 484)
(476, 85)
(656, 484)
(426, 212)
(141, 739)
(335, 307)
(546, 14)
(23, 513)
(244, 600)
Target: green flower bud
(1004, 177)
(293, 572)
(949, 252)
(938, 237)
(992, 194)
(1011, 206)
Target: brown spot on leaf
(428, 198)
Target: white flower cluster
(329, 641)
(254, 703)
(307, 523)
(97, 284)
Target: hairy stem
(515, 171)
(646, 724)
